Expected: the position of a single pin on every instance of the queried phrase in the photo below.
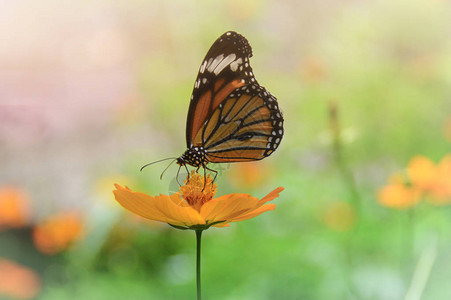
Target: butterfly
(231, 118)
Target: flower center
(198, 190)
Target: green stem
(198, 239)
(345, 172)
(411, 235)
(348, 179)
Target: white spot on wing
(202, 68)
(209, 62)
(235, 64)
(215, 62)
(225, 62)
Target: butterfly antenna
(161, 176)
(157, 162)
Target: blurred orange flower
(422, 172)
(18, 282)
(441, 193)
(194, 207)
(14, 207)
(57, 232)
(424, 178)
(249, 175)
(398, 196)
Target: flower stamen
(198, 190)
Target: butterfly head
(194, 156)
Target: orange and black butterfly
(231, 118)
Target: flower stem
(410, 236)
(198, 239)
(340, 162)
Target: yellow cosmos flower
(17, 281)
(398, 196)
(422, 172)
(441, 193)
(58, 232)
(14, 207)
(194, 207)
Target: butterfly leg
(187, 171)
(205, 177)
(177, 176)
(214, 171)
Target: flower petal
(271, 196)
(254, 213)
(228, 206)
(261, 206)
(441, 193)
(222, 224)
(182, 215)
(237, 207)
(177, 200)
(422, 172)
(161, 208)
(398, 196)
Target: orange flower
(422, 172)
(57, 233)
(14, 207)
(398, 196)
(194, 207)
(18, 282)
(249, 175)
(441, 193)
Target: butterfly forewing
(224, 69)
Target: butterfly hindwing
(246, 126)
(225, 68)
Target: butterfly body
(231, 118)
(194, 156)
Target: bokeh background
(92, 90)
